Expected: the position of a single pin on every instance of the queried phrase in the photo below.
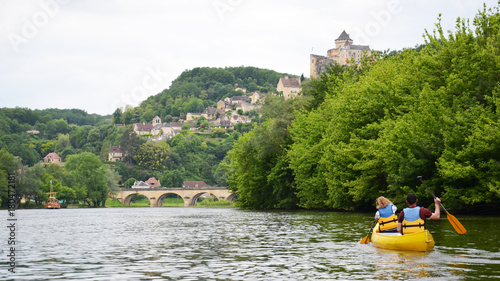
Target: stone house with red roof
(153, 182)
(52, 158)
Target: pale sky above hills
(100, 55)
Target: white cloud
(94, 55)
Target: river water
(232, 244)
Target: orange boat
(52, 202)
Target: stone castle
(343, 52)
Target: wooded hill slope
(196, 89)
(27, 136)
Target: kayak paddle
(366, 239)
(454, 222)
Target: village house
(235, 119)
(245, 106)
(192, 116)
(140, 184)
(290, 87)
(210, 113)
(157, 129)
(256, 98)
(52, 158)
(153, 182)
(194, 184)
(235, 99)
(342, 54)
(143, 128)
(33, 131)
(115, 153)
(223, 106)
(223, 121)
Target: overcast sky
(100, 55)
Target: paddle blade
(365, 240)
(456, 224)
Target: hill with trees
(196, 89)
(84, 140)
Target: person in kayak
(386, 215)
(412, 219)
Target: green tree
(128, 183)
(112, 179)
(7, 167)
(130, 143)
(90, 175)
(117, 116)
(30, 184)
(63, 142)
(152, 155)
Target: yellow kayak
(420, 241)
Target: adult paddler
(412, 219)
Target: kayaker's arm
(437, 212)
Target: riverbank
(142, 202)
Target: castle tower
(343, 40)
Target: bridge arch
(126, 200)
(195, 198)
(159, 201)
(231, 197)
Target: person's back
(412, 219)
(386, 215)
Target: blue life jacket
(412, 222)
(388, 220)
(386, 211)
(412, 214)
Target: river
(232, 244)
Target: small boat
(52, 202)
(419, 241)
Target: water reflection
(404, 265)
(231, 244)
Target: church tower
(156, 121)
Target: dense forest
(370, 130)
(83, 140)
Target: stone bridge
(189, 195)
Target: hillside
(27, 136)
(196, 89)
